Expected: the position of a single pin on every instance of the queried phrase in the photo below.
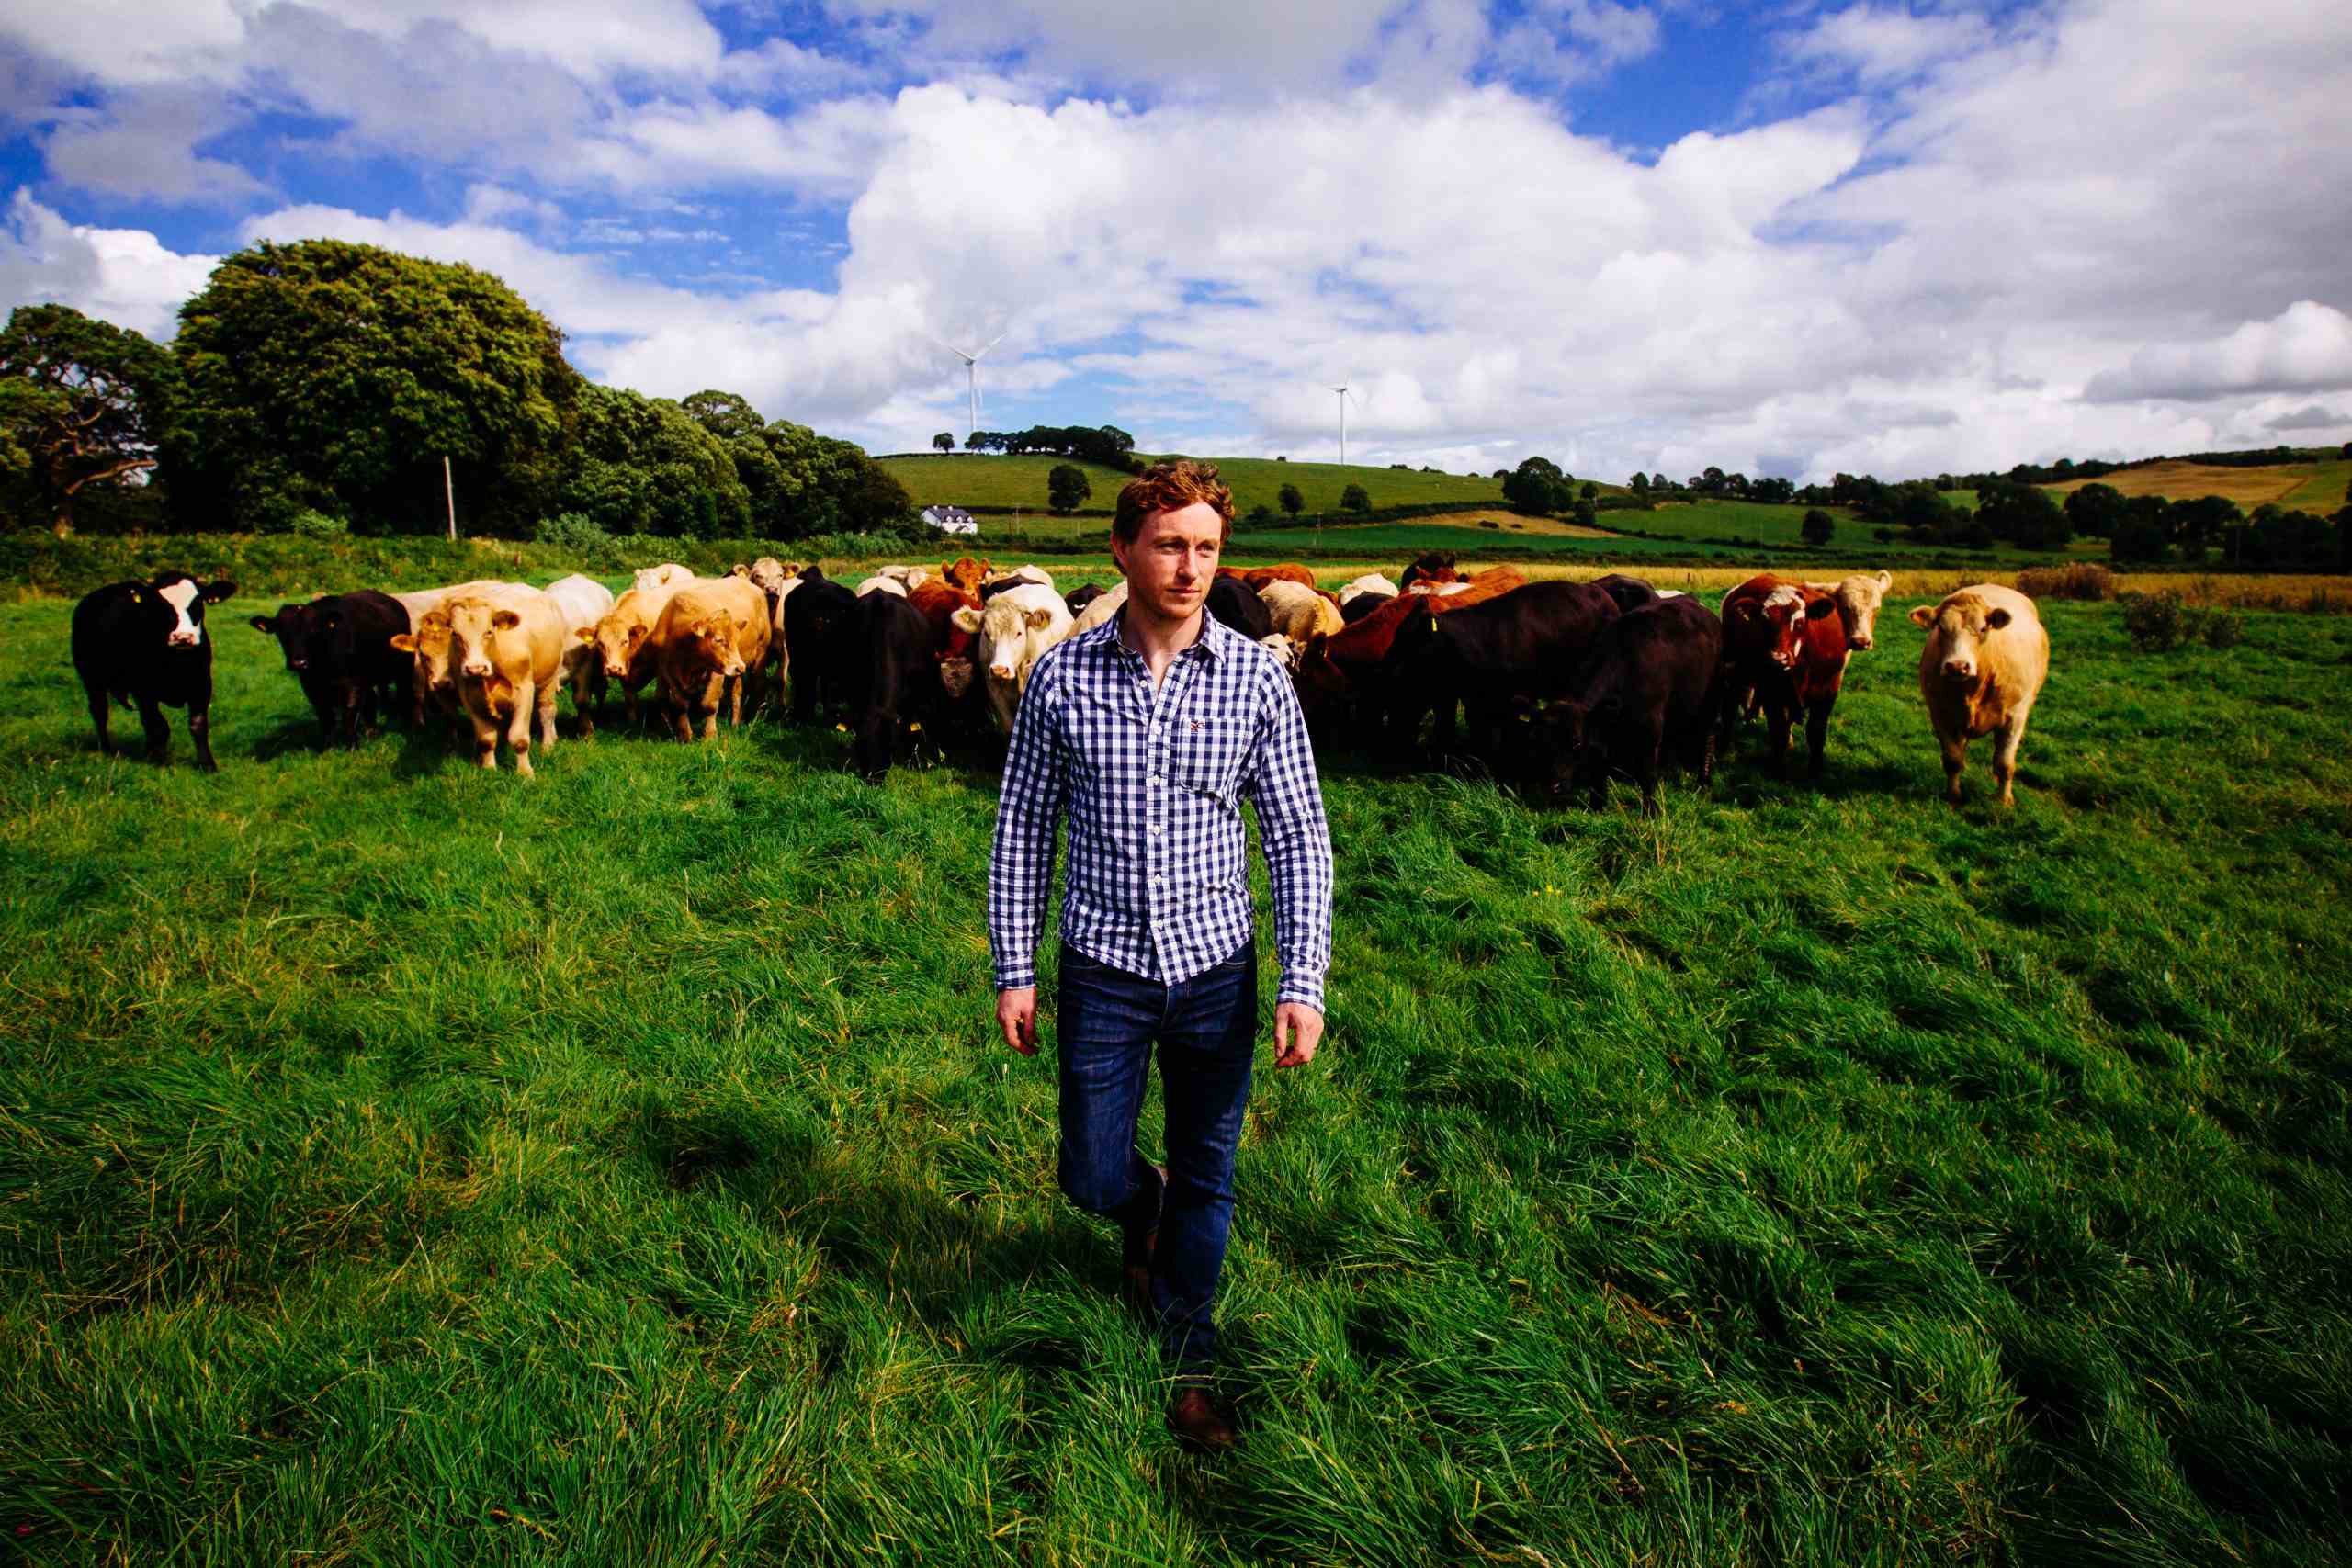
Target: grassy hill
(2317, 486)
(983, 481)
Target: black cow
(1532, 642)
(1078, 599)
(1362, 605)
(895, 681)
(1630, 593)
(144, 643)
(819, 636)
(1650, 688)
(339, 647)
(1236, 603)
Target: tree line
(318, 387)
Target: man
(1148, 732)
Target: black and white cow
(144, 643)
(339, 647)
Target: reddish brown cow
(965, 573)
(1783, 642)
(951, 645)
(1256, 577)
(1333, 663)
(1435, 566)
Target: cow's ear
(219, 588)
(738, 570)
(585, 634)
(1820, 609)
(264, 624)
(1995, 619)
(404, 641)
(505, 621)
(965, 618)
(636, 634)
(1040, 619)
(1923, 616)
(1885, 580)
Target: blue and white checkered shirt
(1152, 781)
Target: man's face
(1172, 562)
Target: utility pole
(449, 488)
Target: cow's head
(474, 626)
(1775, 623)
(617, 638)
(1282, 649)
(1958, 630)
(1858, 598)
(177, 602)
(430, 644)
(298, 629)
(710, 643)
(1563, 748)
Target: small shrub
(2157, 623)
(311, 523)
(2078, 580)
(2222, 629)
(1262, 514)
(571, 531)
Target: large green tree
(337, 375)
(83, 405)
(1066, 488)
(643, 465)
(1537, 487)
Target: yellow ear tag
(840, 728)
(914, 729)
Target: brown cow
(1335, 668)
(1437, 566)
(1981, 669)
(624, 640)
(1783, 642)
(1257, 577)
(965, 574)
(951, 645)
(503, 648)
(711, 641)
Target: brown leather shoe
(1193, 1419)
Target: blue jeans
(1206, 1030)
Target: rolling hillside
(2315, 487)
(984, 481)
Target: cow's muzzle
(182, 640)
(480, 670)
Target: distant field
(1020, 481)
(2298, 484)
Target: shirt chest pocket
(1206, 755)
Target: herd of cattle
(1562, 684)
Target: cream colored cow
(1858, 598)
(1299, 612)
(1981, 669)
(504, 650)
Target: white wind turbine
(1345, 398)
(971, 378)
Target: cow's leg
(1955, 749)
(2005, 741)
(200, 733)
(99, 715)
(485, 737)
(546, 695)
(1647, 748)
(1816, 735)
(733, 688)
(518, 725)
(1780, 716)
(159, 730)
(351, 695)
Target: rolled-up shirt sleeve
(1028, 815)
(1297, 843)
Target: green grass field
(985, 480)
(404, 1162)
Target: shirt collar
(1209, 642)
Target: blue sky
(1783, 238)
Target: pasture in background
(408, 1161)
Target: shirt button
(1155, 830)
(1154, 781)
(1155, 880)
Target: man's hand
(1016, 1014)
(1298, 1028)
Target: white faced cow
(1015, 627)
